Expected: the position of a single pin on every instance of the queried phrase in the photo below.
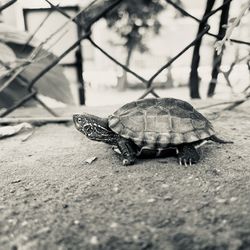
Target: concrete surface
(50, 198)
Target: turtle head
(94, 127)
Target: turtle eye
(79, 119)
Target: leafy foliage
(132, 18)
(14, 53)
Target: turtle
(151, 124)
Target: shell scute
(176, 138)
(184, 105)
(134, 122)
(164, 140)
(190, 137)
(181, 125)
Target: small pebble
(114, 225)
(94, 240)
(165, 185)
(12, 221)
(91, 159)
(24, 223)
(14, 247)
(43, 230)
(233, 199)
(116, 188)
(186, 210)
(168, 198)
(214, 171)
(151, 200)
(135, 237)
(175, 202)
(221, 201)
(224, 222)
(76, 222)
(16, 181)
(102, 176)
(65, 205)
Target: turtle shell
(160, 123)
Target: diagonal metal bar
(94, 20)
(56, 61)
(179, 54)
(116, 61)
(102, 13)
(45, 106)
(4, 6)
(36, 30)
(24, 82)
(182, 11)
(150, 88)
(57, 8)
(185, 13)
(19, 103)
(120, 64)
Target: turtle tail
(218, 140)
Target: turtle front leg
(187, 154)
(127, 151)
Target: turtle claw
(185, 162)
(116, 150)
(190, 162)
(180, 162)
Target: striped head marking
(95, 128)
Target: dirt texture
(50, 198)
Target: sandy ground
(50, 198)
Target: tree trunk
(217, 58)
(194, 78)
(123, 81)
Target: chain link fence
(85, 24)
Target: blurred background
(143, 35)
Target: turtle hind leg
(128, 151)
(187, 154)
(218, 140)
